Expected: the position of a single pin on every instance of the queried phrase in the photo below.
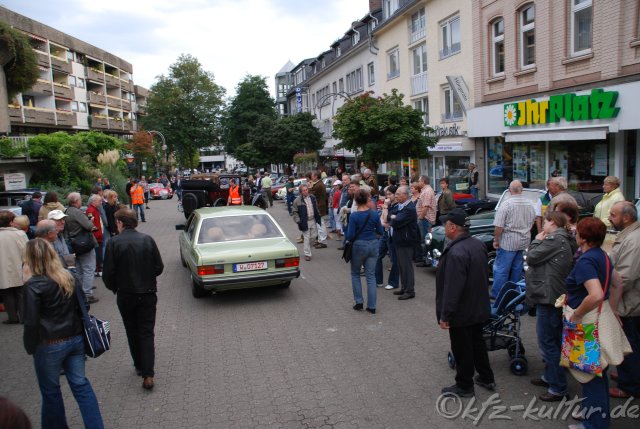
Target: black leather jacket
(48, 313)
(132, 262)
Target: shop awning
(599, 133)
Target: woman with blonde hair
(53, 335)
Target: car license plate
(250, 266)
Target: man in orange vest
(235, 194)
(137, 199)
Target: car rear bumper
(237, 282)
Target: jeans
(86, 268)
(138, 313)
(474, 192)
(385, 247)
(549, 331)
(48, 361)
(508, 266)
(102, 247)
(290, 199)
(139, 209)
(596, 402)
(629, 369)
(365, 253)
(332, 220)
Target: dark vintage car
(212, 190)
(481, 225)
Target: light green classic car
(236, 248)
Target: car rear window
(234, 228)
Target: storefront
(583, 136)
(450, 157)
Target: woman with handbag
(593, 291)
(362, 231)
(53, 335)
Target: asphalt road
(293, 358)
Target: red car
(157, 191)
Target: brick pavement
(265, 358)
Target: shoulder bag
(581, 341)
(97, 333)
(348, 245)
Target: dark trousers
(404, 256)
(12, 298)
(470, 353)
(138, 313)
(629, 369)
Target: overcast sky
(230, 38)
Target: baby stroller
(502, 330)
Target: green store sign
(599, 104)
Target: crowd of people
(567, 275)
(47, 272)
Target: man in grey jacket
(76, 223)
(550, 259)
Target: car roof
(229, 211)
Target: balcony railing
(43, 59)
(62, 90)
(418, 32)
(126, 105)
(15, 114)
(35, 115)
(66, 119)
(60, 65)
(419, 84)
(97, 98)
(113, 101)
(112, 80)
(452, 116)
(98, 121)
(96, 75)
(41, 87)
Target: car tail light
(207, 270)
(287, 262)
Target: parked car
(157, 191)
(481, 225)
(212, 190)
(236, 248)
(282, 192)
(278, 184)
(15, 198)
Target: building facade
(556, 86)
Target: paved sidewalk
(272, 358)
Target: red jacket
(97, 222)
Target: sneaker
(488, 386)
(320, 246)
(389, 287)
(380, 285)
(456, 390)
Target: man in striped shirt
(513, 222)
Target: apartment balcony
(113, 101)
(15, 113)
(41, 87)
(66, 119)
(127, 125)
(126, 85)
(95, 98)
(62, 91)
(112, 80)
(419, 84)
(39, 116)
(59, 64)
(418, 32)
(95, 75)
(43, 59)
(100, 122)
(142, 109)
(126, 105)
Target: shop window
(584, 164)
(581, 26)
(527, 37)
(498, 47)
(515, 161)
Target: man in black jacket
(404, 236)
(132, 263)
(462, 304)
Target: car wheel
(189, 204)
(220, 202)
(491, 260)
(184, 263)
(197, 291)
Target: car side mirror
(180, 227)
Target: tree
(186, 106)
(141, 145)
(251, 105)
(381, 129)
(296, 133)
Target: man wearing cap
(48, 230)
(462, 304)
(266, 188)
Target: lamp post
(164, 142)
(317, 122)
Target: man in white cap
(51, 230)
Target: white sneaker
(389, 287)
(380, 285)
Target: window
(355, 38)
(581, 21)
(321, 97)
(389, 7)
(72, 81)
(372, 73)
(422, 105)
(28, 100)
(83, 107)
(419, 55)
(80, 82)
(74, 106)
(354, 81)
(498, 47)
(69, 55)
(334, 87)
(371, 25)
(394, 64)
(338, 51)
(323, 62)
(341, 84)
(450, 31)
(452, 108)
(417, 26)
(527, 37)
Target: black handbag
(96, 333)
(82, 243)
(348, 245)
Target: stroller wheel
(512, 349)
(451, 360)
(519, 365)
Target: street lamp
(164, 142)
(317, 122)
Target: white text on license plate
(250, 266)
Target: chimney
(375, 5)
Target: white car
(282, 192)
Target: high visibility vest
(234, 195)
(137, 195)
